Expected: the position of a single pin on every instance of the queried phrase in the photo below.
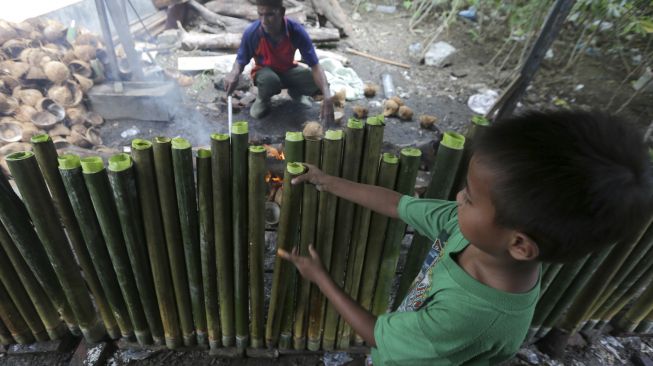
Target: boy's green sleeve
(427, 216)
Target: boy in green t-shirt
(542, 187)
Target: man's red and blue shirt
(280, 55)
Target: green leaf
(647, 25)
(407, 4)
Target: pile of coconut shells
(45, 72)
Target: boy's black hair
(573, 181)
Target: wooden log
(33, 190)
(256, 226)
(331, 10)
(46, 156)
(221, 179)
(155, 239)
(207, 15)
(162, 147)
(245, 10)
(125, 194)
(231, 41)
(182, 161)
(71, 173)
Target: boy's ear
(523, 247)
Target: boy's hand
(310, 267)
(313, 176)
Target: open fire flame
(273, 153)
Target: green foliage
(407, 4)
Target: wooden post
(256, 224)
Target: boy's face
(476, 211)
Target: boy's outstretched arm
(311, 268)
(378, 199)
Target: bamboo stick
(369, 169)
(207, 246)
(409, 160)
(239, 146)
(646, 325)
(220, 170)
(308, 225)
(125, 194)
(256, 225)
(182, 160)
(326, 218)
(16, 221)
(20, 298)
(23, 167)
(354, 138)
(71, 173)
(46, 311)
(97, 183)
(639, 309)
(475, 129)
(11, 317)
(155, 239)
(172, 230)
(443, 174)
(293, 152)
(46, 156)
(287, 233)
(549, 276)
(5, 336)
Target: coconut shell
(370, 90)
(8, 105)
(68, 57)
(397, 100)
(84, 52)
(24, 113)
(54, 31)
(32, 56)
(29, 131)
(84, 83)
(94, 119)
(87, 39)
(93, 136)
(405, 113)
(80, 129)
(59, 130)
(8, 83)
(339, 98)
(15, 147)
(14, 47)
(360, 112)
(36, 73)
(24, 28)
(98, 71)
(7, 32)
(78, 139)
(81, 68)
(56, 71)
(14, 68)
(427, 121)
(66, 95)
(313, 129)
(76, 116)
(60, 142)
(28, 96)
(11, 132)
(390, 108)
(49, 105)
(44, 120)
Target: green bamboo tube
(19, 296)
(71, 173)
(293, 152)
(97, 183)
(155, 239)
(46, 156)
(239, 151)
(409, 160)
(220, 170)
(475, 129)
(17, 274)
(256, 225)
(369, 170)
(172, 230)
(313, 148)
(287, 233)
(646, 325)
(549, 276)
(23, 167)
(125, 195)
(581, 307)
(326, 219)
(640, 308)
(182, 161)
(15, 323)
(207, 246)
(16, 221)
(5, 337)
(443, 174)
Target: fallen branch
(331, 10)
(375, 58)
(194, 40)
(207, 14)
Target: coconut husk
(28, 96)
(8, 83)
(44, 120)
(80, 129)
(427, 121)
(67, 95)
(29, 131)
(25, 29)
(14, 47)
(93, 136)
(32, 56)
(84, 52)
(8, 105)
(54, 31)
(390, 108)
(313, 129)
(405, 113)
(11, 132)
(78, 139)
(360, 112)
(370, 90)
(76, 116)
(81, 68)
(84, 83)
(7, 32)
(54, 50)
(94, 119)
(56, 71)
(68, 57)
(36, 74)
(24, 113)
(397, 100)
(15, 147)
(339, 98)
(59, 130)
(98, 71)
(87, 39)
(16, 69)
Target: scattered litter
(388, 85)
(129, 355)
(482, 102)
(387, 9)
(611, 341)
(549, 54)
(579, 87)
(375, 104)
(130, 132)
(528, 356)
(93, 354)
(415, 52)
(469, 14)
(336, 358)
(341, 77)
(636, 59)
(438, 54)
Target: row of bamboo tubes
(161, 249)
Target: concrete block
(144, 101)
(90, 354)
(438, 54)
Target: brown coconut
(28, 96)
(360, 112)
(84, 52)
(24, 113)
(390, 108)
(427, 121)
(84, 83)
(405, 113)
(81, 68)
(397, 100)
(11, 132)
(54, 31)
(8, 105)
(313, 129)
(339, 98)
(370, 90)
(59, 130)
(76, 115)
(94, 119)
(56, 71)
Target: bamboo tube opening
(180, 143)
(376, 120)
(411, 151)
(240, 128)
(120, 162)
(40, 138)
(204, 153)
(355, 123)
(140, 144)
(69, 161)
(257, 149)
(92, 165)
(390, 158)
(480, 120)
(453, 140)
(162, 140)
(294, 136)
(333, 135)
(21, 155)
(296, 168)
(219, 136)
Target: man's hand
(231, 81)
(310, 267)
(326, 113)
(313, 176)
